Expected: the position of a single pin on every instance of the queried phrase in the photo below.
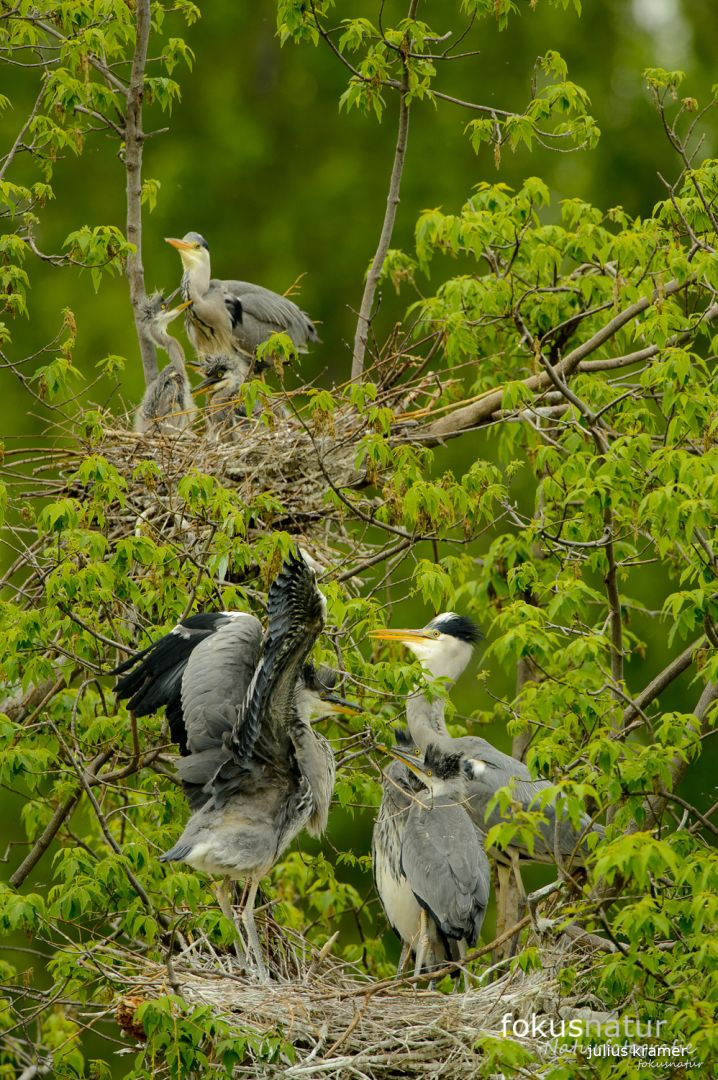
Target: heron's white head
(194, 253)
(444, 646)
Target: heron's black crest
(458, 626)
(321, 680)
(195, 238)
(442, 763)
(403, 739)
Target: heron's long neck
(195, 282)
(425, 719)
(175, 353)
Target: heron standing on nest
(440, 856)
(255, 772)
(444, 647)
(167, 405)
(228, 318)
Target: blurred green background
(260, 161)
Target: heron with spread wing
(241, 709)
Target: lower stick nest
(339, 1022)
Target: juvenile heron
(167, 405)
(444, 647)
(229, 317)
(223, 378)
(255, 772)
(431, 869)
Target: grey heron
(230, 317)
(255, 772)
(222, 382)
(431, 869)
(444, 647)
(167, 405)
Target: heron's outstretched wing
(262, 731)
(264, 312)
(227, 645)
(447, 868)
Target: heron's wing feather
(447, 868)
(262, 730)
(216, 679)
(501, 770)
(152, 677)
(265, 312)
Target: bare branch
(392, 201)
(133, 167)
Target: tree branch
(655, 804)
(664, 678)
(479, 412)
(133, 168)
(392, 201)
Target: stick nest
(340, 1023)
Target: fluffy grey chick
(167, 406)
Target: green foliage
(577, 345)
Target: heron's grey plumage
(167, 405)
(444, 647)
(495, 770)
(402, 909)
(275, 775)
(255, 772)
(222, 382)
(436, 892)
(228, 316)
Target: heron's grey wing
(445, 864)
(263, 727)
(265, 312)
(501, 770)
(216, 679)
(152, 677)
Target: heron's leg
(421, 944)
(223, 892)
(541, 925)
(250, 927)
(405, 950)
(462, 956)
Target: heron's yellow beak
(339, 705)
(202, 387)
(385, 634)
(181, 245)
(181, 307)
(415, 765)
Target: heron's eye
(436, 633)
(417, 752)
(429, 772)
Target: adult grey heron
(227, 317)
(255, 772)
(431, 869)
(444, 647)
(167, 405)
